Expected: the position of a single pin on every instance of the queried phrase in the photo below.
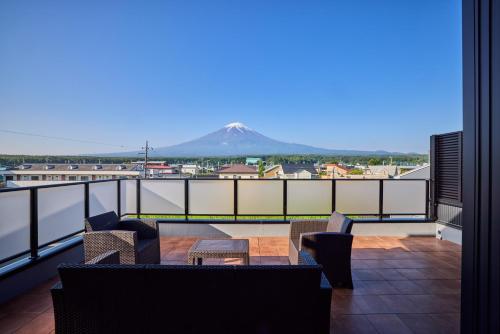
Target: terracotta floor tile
(407, 287)
(440, 286)
(366, 275)
(352, 324)
(375, 288)
(390, 274)
(427, 324)
(398, 304)
(9, 323)
(388, 324)
(42, 324)
(435, 303)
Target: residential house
(160, 169)
(335, 171)
(292, 171)
(238, 171)
(273, 172)
(376, 172)
(299, 171)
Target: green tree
(374, 162)
(261, 169)
(356, 171)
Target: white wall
(418, 173)
(444, 232)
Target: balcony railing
(33, 218)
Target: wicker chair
(137, 240)
(111, 257)
(329, 242)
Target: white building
(37, 174)
(190, 169)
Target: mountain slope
(236, 139)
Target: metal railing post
(428, 201)
(381, 199)
(235, 187)
(186, 199)
(334, 195)
(86, 207)
(285, 200)
(33, 223)
(138, 198)
(119, 198)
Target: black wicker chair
(329, 243)
(138, 241)
(192, 299)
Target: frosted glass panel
(102, 197)
(60, 212)
(162, 196)
(213, 197)
(260, 197)
(404, 197)
(357, 197)
(14, 223)
(309, 197)
(128, 196)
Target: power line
(62, 138)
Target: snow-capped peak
(237, 126)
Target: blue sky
(337, 74)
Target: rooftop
(238, 169)
(297, 168)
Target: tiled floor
(402, 285)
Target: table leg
(200, 261)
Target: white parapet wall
(445, 232)
(282, 230)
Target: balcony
(403, 283)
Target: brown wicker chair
(329, 242)
(111, 257)
(136, 240)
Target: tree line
(402, 160)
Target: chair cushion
(339, 223)
(144, 231)
(104, 222)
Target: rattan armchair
(329, 242)
(137, 240)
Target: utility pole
(146, 149)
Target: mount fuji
(237, 139)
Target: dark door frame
(481, 183)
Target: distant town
(32, 171)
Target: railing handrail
(73, 183)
